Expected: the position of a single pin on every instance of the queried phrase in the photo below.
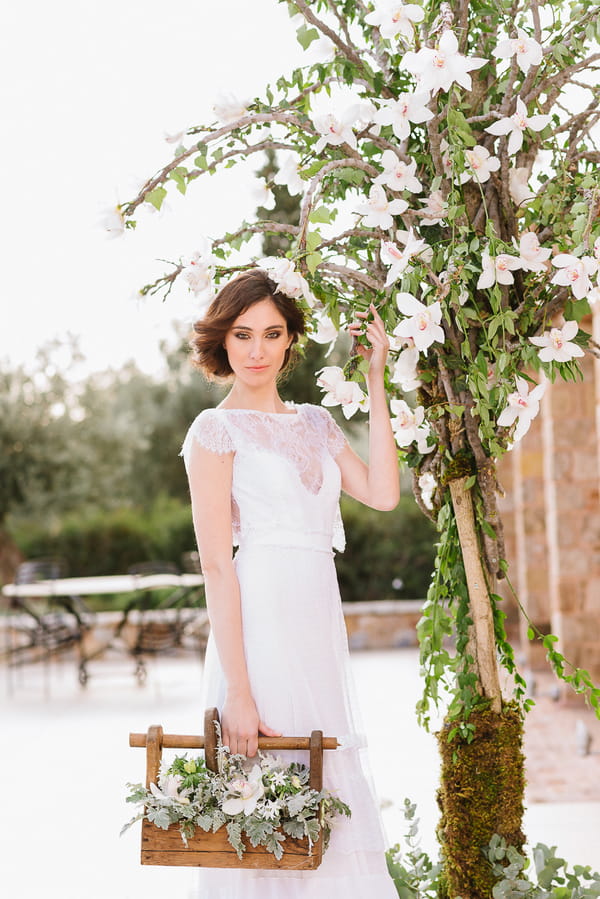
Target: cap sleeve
(210, 431)
(336, 439)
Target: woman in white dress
(266, 476)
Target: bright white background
(87, 91)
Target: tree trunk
(481, 794)
(10, 557)
(482, 643)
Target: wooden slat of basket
(213, 850)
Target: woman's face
(256, 343)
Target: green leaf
(320, 216)
(488, 529)
(312, 261)
(530, 633)
(306, 36)
(156, 197)
(313, 239)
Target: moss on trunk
(481, 793)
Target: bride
(265, 476)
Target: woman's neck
(240, 397)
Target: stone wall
(551, 515)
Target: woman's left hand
(378, 342)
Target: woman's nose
(256, 350)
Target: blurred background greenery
(90, 472)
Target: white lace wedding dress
(285, 513)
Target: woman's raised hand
(378, 342)
(241, 725)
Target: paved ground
(64, 758)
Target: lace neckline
(290, 405)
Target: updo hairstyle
(208, 351)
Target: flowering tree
(445, 159)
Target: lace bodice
(286, 483)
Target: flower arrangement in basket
(229, 811)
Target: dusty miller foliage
(548, 186)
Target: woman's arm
(378, 483)
(210, 487)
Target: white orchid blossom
(516, 124)
(480, 164)
(112, 222)
(175, 137)
(435, 209)
(229, 108)
(325, 332)
(522, 407)
(527, 50)
(335, 130)
(409, 107)
(398, 175)
(198, 271)
(518, 185)
(497, 269)
(427, 485)
(378, 211)
(339, 392)
(438, 69)
(556, 344)
(246, 793)
(575, 273)
(394, 19)
(423, 322)
(398, 259)
(168, 789)
(533, 256)
(405, 372)
(288, 175)
(263, 195)
(288, 280)
(409, 425)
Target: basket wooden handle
(156, 739)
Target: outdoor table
(69, 590)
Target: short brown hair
(235, 297)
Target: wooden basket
(213, 850)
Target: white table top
(118, 583)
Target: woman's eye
(241, 336)
(274, 334)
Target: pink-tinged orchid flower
(339, 392)
(246, 793)
(394, 18)
(533, 256)
(437, 70)
(168, 789)
(516, 124)
(401, 112)
(497, 269)
(480, 164)
(435, 209)
(378, 211)
(398, 259)
(556, 343)
(398, 175)
(335, 130)
(575, 273)
(409, 426)
(518, 185)
(527, 50)
(422, 324)
(522, 407)
(405, 370)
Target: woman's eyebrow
(246, 328)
